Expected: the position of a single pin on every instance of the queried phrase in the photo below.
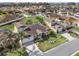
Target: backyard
(2, 13)
(33, 20)
(51, 42)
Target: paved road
(64, 50)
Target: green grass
(76, 28)
(30, 21)
(45, 45)
(18, 52)
(77, 54)
(1, 15)
(9, 26)
(33, 20)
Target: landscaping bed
(18, 52)
(51, 42)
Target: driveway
(33, 50)
(31, 47)
(65, 49)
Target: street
(65, 49)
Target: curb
(75, 53)
(55, 47)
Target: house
(62, 23)
(66, 24)
(7, 17)
(32, 32)
(36, 29)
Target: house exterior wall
(78, 23)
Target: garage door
(25, 40)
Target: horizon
(37, 1)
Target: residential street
(65, 49)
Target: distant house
(62, 23)
(67, 24)
(7, 17)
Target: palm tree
(19, 36)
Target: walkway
(76, 32)
(67, 35)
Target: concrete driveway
(31, 47)
(65, 49)
(33, 50)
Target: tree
(18, 52)
(28, 22)
(40, 18)
(51, 33)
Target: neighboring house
(63, 23)
(7, 17)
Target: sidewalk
(75, 53)
(67, 35)
(76, 32)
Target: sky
(39, 0)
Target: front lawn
(77, 54)
(76, 28)
(51, 42)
